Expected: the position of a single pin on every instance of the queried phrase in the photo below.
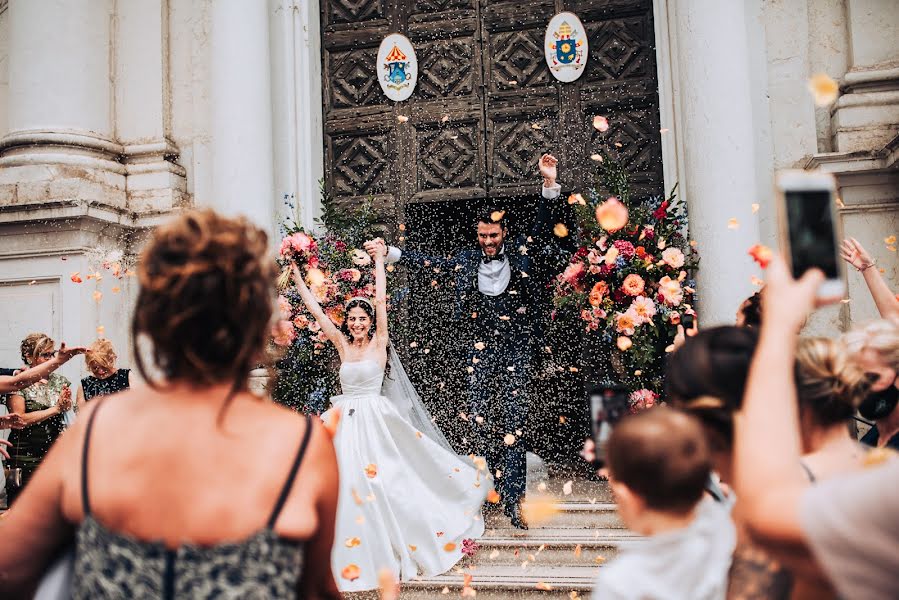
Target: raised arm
(381, 294)
(767, 445)
(411, 258)
(14, 383)
(856, 255)
(315, 308)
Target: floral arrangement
(336, 270)
(630, 281)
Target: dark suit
(496, 335)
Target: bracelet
(864, 268)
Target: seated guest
(104, 379)
(876, 349)
(156, 489)
(830, 387)
(659, 463)
(42, 406)
(846, 529)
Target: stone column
(242, 155)
(715, 122)
(866, 115)
(156, 182)
(59, 146)
(297, 102)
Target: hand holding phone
(809, 227)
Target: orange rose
(633, 285)
(598, 293)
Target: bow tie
(488, 259)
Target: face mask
(879, 405)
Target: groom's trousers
(498, 377)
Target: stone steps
(558, 558)
(506, 581)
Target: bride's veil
(399, 390)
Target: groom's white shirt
(494, 276)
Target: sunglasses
(47, 355)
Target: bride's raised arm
(331, 331)
(381, 296)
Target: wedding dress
(407, 501)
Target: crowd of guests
(748, 484)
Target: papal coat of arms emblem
(397, 67)
(566, 47)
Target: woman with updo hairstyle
(830, 387)
(190, 486)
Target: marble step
(550, 547)
(575, 515)
(507, 581)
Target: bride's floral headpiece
(359, 299)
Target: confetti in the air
(352, 542)
(542, 585)
(755, 207)
(732, 223)
(497, 215)
(566, 489)
(402, 118)
(76, 277)
(823, 88)
(509, 439)
(600, 123)
(449, 547)
(371, 471)
(560, 230)
(596, 157)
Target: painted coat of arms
(566, 47)
(397, 67)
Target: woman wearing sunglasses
(42, 406)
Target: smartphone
(688, 320)
(809, 230)
(609, 402)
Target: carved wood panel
(486, 106)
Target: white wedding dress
(407, 501)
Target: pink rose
(625, 248)
(283, 333)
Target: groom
(498, 289)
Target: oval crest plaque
(397, 67)
(565, 46)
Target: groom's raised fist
(547, 165)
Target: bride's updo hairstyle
(829, 384)
(206, 299)
(369, 310)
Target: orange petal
(542, 585)
(601, 123)
(560, 230)
(509, 439)
(824, 89)
(612, 215)
(539, 509)
(493, 497)
(98, 295)
(388, 585)
(761, 254)
(449, 547)
(350, 572)
(75, 277)
(890, 241)
(497, 215)
(352, 542)
(371, 471)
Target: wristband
(867, 266)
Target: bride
(407, 500)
